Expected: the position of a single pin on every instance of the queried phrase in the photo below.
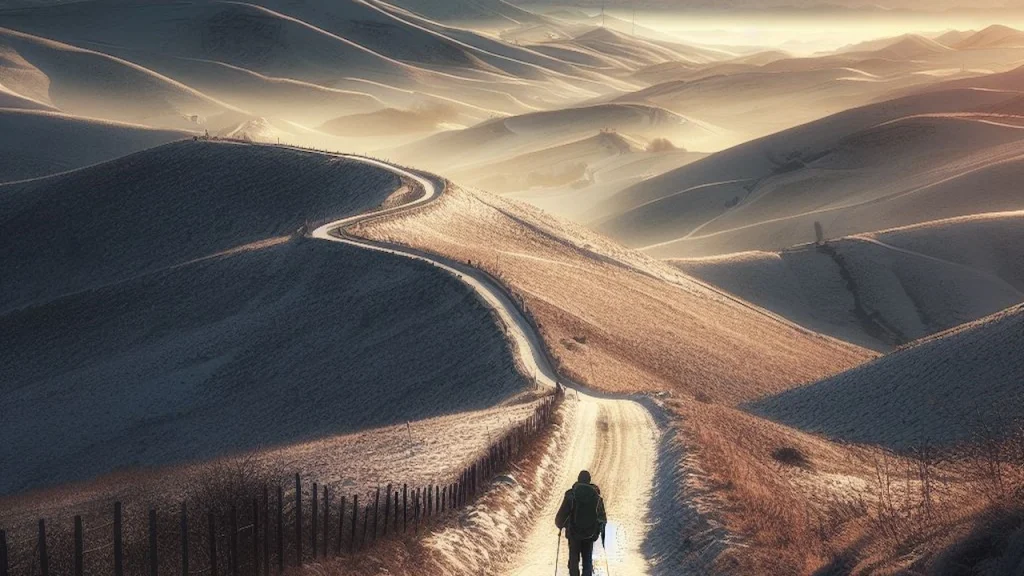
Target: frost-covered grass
(164, 207)
(895, 163)
(913, 281)
(845, 509)
(38, 143)
(613, 318)
(159, 312)
(940, 390)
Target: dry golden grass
(431, 451)
(852, 509)
(793, 503)
(479, 539)
(611, 317)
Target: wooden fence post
(430, 500)
(184, 539)
(416, 514)
(298, 520)
(314, 519)
(280, 529)
(355, 521)
(152, 542)
(255, 537)
(396, 512)
(4, 567)
(366, 519)
(327, 520)
(44, 560)
(405, 508)
(118, 542)
(437, 500)
(341, 525)
(79, 546)
(376, 510)
(387, 509)
(233, 542)
(212, 543)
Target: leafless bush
(791, 456)
(219, 485)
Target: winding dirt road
(616, 439)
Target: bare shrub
(791, 456)
(703, 397)
(217, 486)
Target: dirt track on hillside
(616, 439)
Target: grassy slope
(939, 390)
(157, 308)
(911, 281)
(37, 143)
(613, 318)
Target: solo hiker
(582, 517)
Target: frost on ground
(884, 287)
(613, 318)
(888, 164)
(489, 535)
(940, 390)
(617, 320)
(36, 143)
(159, 309)
(430, 451)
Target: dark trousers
(581, 550)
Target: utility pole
(602, 13)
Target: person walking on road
(582, 517)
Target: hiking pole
(558, 550)
(607, 565)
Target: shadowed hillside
(37, 143)
(890, 164)
(161, 309)
(884, 288)
(939, 390)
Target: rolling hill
(995, 36)
(884, 165)
(160, 305)
(277, 47)
(504, 138)
(88, 83)
(37, 143)
(940, 390)
(884, 288)
(612, 318)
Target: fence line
(429, 504)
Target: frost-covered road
(616, 439)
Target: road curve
(616, 439)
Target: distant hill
(995, 36)
(888, 287)
(939, 390)
(504, 138)
(37, 143)
(884, 165)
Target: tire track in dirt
(617, 439)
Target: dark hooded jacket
(563, 519)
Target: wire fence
(257, 530)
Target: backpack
(583, 520)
